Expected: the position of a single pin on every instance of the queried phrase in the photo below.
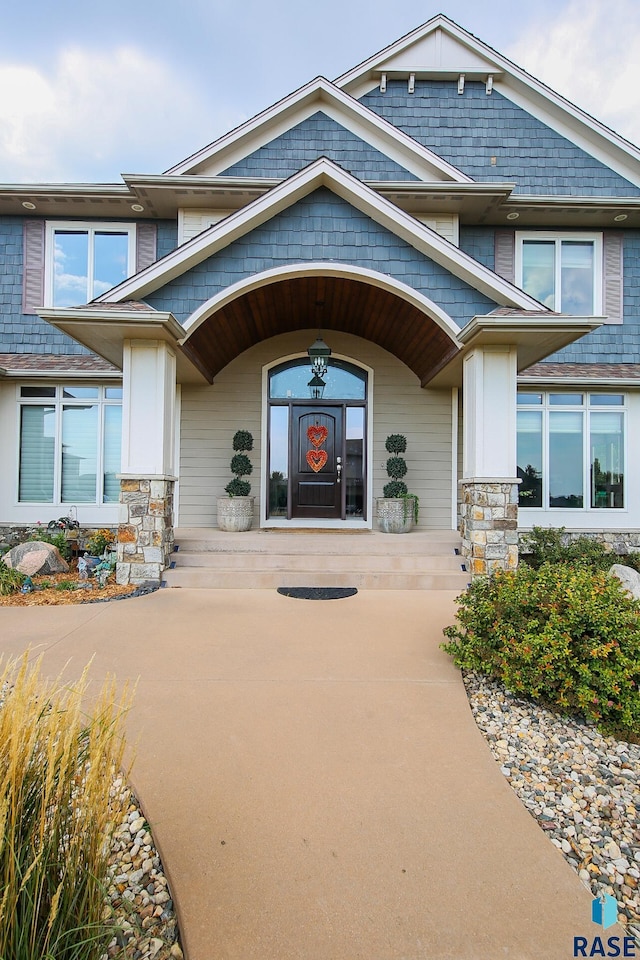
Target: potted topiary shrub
(235, 511)
(397, 509)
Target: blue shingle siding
(469, 129)
(322, 227)
(479, 243)
(318, 136)
(167, 239)
(614, 343)
(20, 333)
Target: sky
(91, 91)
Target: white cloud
(589, 55)
(97, 114)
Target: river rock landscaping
(139, 902)
(583, 788)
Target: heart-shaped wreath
(316, 459)
(317, 435)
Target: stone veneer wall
(488, 525)
(618, 541)
(145, 533)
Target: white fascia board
(151, 319)
(321, 95)
(322, 173)
(61, 373)
(522, 89)
(484, 328)
(574, 124)
(579, 381)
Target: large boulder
(629, 578)
(36, 557)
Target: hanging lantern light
(318, 353)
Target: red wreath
(317, 435)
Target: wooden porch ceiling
(323, 303)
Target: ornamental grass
(57, 813)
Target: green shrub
(65, 585)
(547, 545)
(241, 466)
(56, 539)
(10, 580)
(396, 443)
(566, 635)
(58, 810)
(395, 488)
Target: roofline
(320, 88)
(322, 172)
(595, 129)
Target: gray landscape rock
(629, 578)
(36, 557)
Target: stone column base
(489, 525)
(145, 533)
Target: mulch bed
(56, 595)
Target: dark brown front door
(317, 458)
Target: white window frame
(59, 402)
(558, 237)
(90, 228)
(587, 408)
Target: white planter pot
(395, 514)
(235, 514)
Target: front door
(317, 459)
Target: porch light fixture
(316, 387)
(318, 353)
(513, 215)
(137, 207)
(620, 217)
(28, 205)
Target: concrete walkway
(315, 780)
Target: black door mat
(318, 593)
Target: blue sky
(89, 91)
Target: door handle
(338, 467)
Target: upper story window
(563, 271)
(84, 260)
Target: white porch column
(145, 533)
(489, 509)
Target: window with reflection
(344, 381)
(571, 450)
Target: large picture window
(563, 272)
(85, 260)
(69, 444)
(571, 450)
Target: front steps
(268, 559)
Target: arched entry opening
(317, 447)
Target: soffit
(324, 303)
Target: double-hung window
(563, 271)
(571, 450)
(69, 444)
(84, 260)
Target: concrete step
(211, 559)
(313, 562)
(204, 578)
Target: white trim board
(476, 60)
(322, 173)
(320, 95)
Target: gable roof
(442, 49)
(322, 173)
(319, 95)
